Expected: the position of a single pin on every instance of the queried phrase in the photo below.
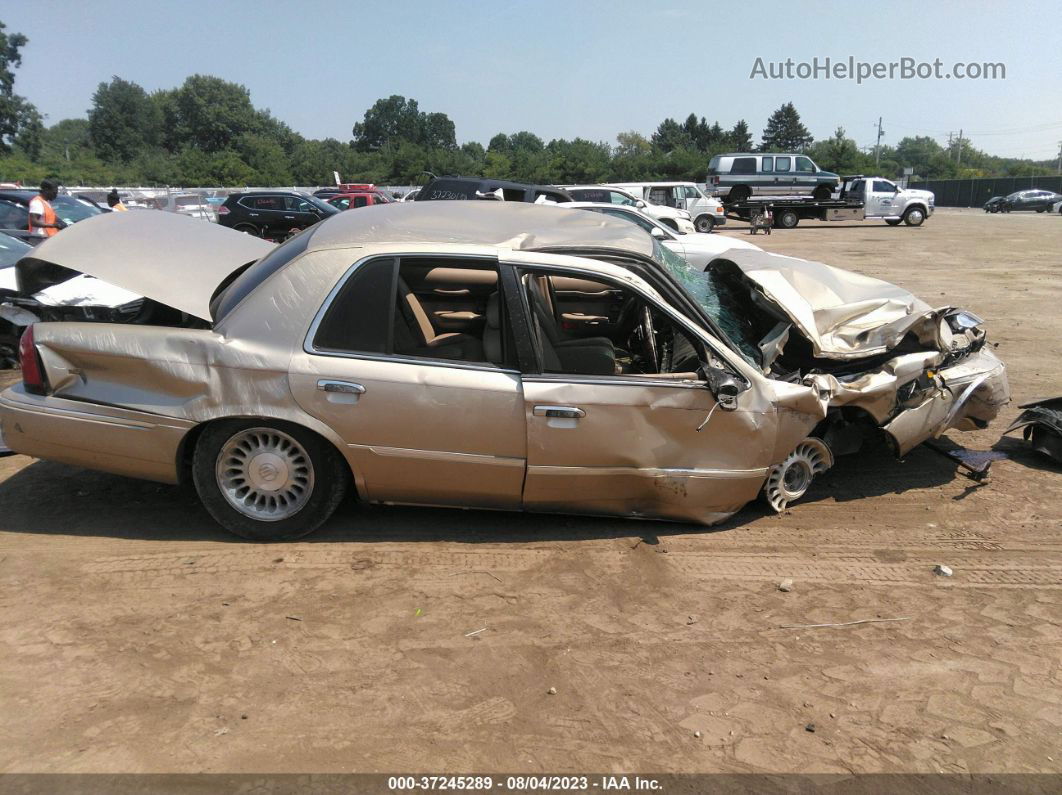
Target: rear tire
(822, 193)
(704, 224)
(788, 219)
(268, 480)
(893, 221)
(248, 229)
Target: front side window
(782, 163)
(881, 186)
(804, 165)
(340, 204)
(692, 193)
(620, 335)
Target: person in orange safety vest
(43, 222)
(115, 202)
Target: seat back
(418, 327)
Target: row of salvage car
(481, 354)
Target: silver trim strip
(650, 472)
(440, 455)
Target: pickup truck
(884, 199)
(858, 197)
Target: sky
(589, 69)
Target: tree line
(208, 132)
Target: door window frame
(532, 365)
(308, 346)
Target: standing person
(43, 222)
(114, 202)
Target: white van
(679, 220)
(705, 211)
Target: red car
(358, 196)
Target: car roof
(514, 225)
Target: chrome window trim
(309, 348)
(605, 380)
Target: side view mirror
(725, 386)
(657, 232)
(640, 204)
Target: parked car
(883, 198)
(272, 214)
(411, 196)
(324, 369)
(450, 188)
(14, 209)
(679, 220)
(1057, 207)
(353, 200)
(738, 176)
(194, 205)
(995, 204)
(1038, 200)
(707, 212)
(695, 247)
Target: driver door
(629, 444)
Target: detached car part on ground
(1041, 425)
(485, 354)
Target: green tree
(739, 139)
(17, 114)
(123, 120)
(398, 119)
(839, 154)
(671, 135)
(210, 113)
(785, 132)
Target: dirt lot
(136, 636)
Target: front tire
(268, 480)
(915, 216)
(704, 224)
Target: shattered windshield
(716, 298)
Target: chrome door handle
(563, 412)
(340, 387)
(289, 217)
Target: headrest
(493, 313)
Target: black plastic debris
(1041, 424)
(4, 449)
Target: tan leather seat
(415, 335)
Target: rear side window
(360, 201)
(241, 287)
(781, 163)
(744, 165)
(359, 317)
(767, 164)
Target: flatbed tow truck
(858, 197)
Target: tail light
(223, 210)
(32, 370)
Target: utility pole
(949, 145)
(877, 144)
(1060, 158)
(958, 160)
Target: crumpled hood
(844, 315)
(168, 257)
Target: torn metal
(1041, 425)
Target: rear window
(242, 286)
(744, 165)
(713, 166)
(443, 189)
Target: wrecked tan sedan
(482, 354)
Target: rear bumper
(110, 439)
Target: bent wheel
(267, 480)
(789, 480)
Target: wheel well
(186, 449)
(669, 222)
(917, 205)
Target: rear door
(418, 429)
